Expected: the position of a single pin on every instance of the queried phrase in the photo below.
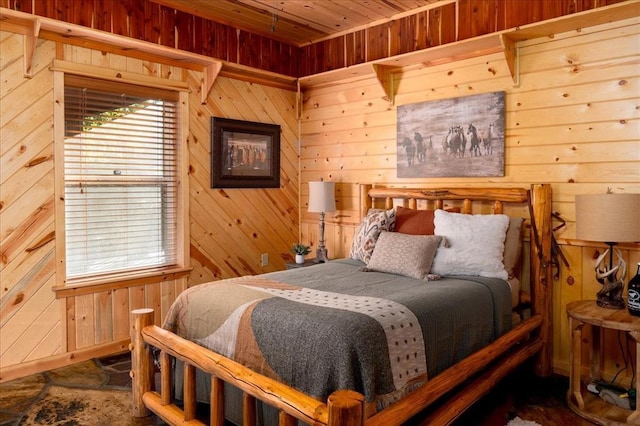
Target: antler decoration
(611, 279)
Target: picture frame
(244, 154)
(455, 137)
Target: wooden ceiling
(301, 22)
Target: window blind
(120, 180)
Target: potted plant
(300, 250)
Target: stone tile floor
(98, 392)
(95, 392)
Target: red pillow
(416, 222)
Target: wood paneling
(26, 213)
(230, 228)
(256, 220)
(573, 122)
(156, 23)
(217, 28)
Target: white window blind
(120, 178)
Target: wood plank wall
(452, 22)
(148, 21)
(26, 210)
(574, 121)
(230, 229)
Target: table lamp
(611, 219)
(322, 199)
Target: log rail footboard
(348, 406)
(469, 379)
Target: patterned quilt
(333, 326)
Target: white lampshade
(322, 197)
(612, 218)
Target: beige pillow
(404, 254)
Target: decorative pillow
(404, 254)
(416, 222)
(512, 245)
(474, 244)
(367, 234)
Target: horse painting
(410, 149)
(474, 139)
(445, 141)
(486, 141)
(420, 148)
(457, 142)
(461, 136)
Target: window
(120, 178)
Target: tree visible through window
(120, 179)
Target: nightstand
(307, 262)
(586, 404)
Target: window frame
(84, 285)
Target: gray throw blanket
(333, 326)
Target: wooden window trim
(127, 279)
(118, 281)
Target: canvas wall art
(457, 137)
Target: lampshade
(322, 197)
(611, 218)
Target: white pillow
(473, 245)
(404, 254)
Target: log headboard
(536, 199)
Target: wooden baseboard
(56, 361)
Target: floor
(540, 400)
(98, 392)
(95, 393)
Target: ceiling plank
(301, 22)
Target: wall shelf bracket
(512, 56)
(209, 75)
(385, 75)
(30, 42)
(29, 27)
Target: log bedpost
(365, 200)
(346, 408)
(541, 273)
(141, 361)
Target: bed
(376, 339)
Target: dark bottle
(634, 294)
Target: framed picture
(457, 137)
(244, 154)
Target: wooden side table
(587, 405)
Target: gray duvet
(333, 326)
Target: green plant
(300, 249)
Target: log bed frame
(469, 379)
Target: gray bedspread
(333, 326)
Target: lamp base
(322, 255)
